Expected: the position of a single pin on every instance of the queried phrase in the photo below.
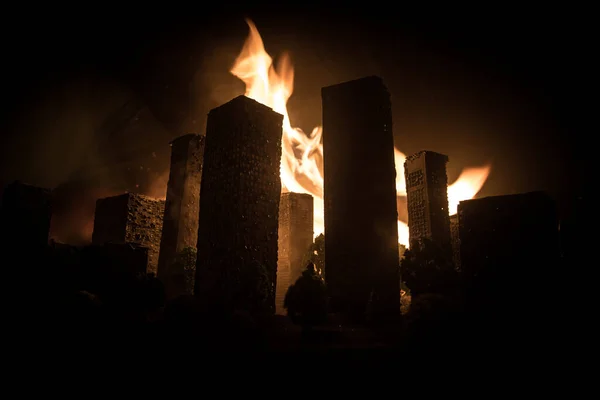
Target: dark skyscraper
(427, 198)
(296, 216)
(239, 204)
(180, 223)
(361, 238)
(130, 218)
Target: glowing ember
(302, 154)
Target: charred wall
(130, 218)
(296, 223)
(361, 226)
(239, 204)
(180, 222)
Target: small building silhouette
(130, 218)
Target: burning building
(272, 84)
(295, 239)
(427, 198)
(361, 236)
(509, 244)
(239, 205)
(25, 214)
(180, 222)
(130, 218)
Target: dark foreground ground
(273, 347)
(273, 337)
(79, 324)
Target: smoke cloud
(87, 138)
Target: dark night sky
(481, 85)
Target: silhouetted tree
(425, 268)
(306, 299)
(316, 255)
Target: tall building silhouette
(296, 224)
(427, 198)
(180, 222)
(361, 228)
(239, 204)
(130, 218)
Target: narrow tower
(427, 198)
(180, 223)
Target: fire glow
(302, 154)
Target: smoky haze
(99, 123)
(87, 138)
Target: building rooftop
(509, 198)
(241, 101)
(184, 138)
(428, 153)
(296, 194)
(16, 189)
(355, 84)
(132, 194)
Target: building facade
(239, 206)
(130, 218)
(427, 198)
(180, 222)
(296, 224)
(361, 238)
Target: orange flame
(302, 154)
(468, 184)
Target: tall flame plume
(302, 154)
